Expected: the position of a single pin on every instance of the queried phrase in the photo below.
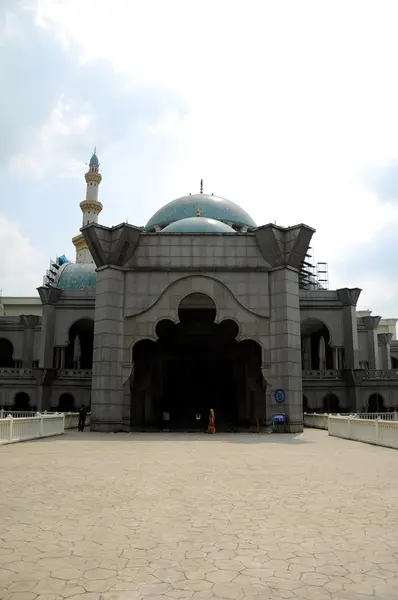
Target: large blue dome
(212, 207)
(198, 225)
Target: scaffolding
(313, 276)
(322, 275)
(307, 272)
(49, 279)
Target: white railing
(378, 432)
(30, 428)
(316, 421)
(71, 419)
(391, 416)
(320, 421)
(17, 414)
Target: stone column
(307, 354)
(385, 350)
(349, 298)
(371, 324)
(335, 358)
(107, 380)
(285, 345)
(29, 322)
(322, 353)
(63, 355)
(49, 297)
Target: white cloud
(48, 150)
(285, 104)
(22, 267)
(286, 101)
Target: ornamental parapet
(11, 372)
(381, 374)
(329, 374)
(75, 373)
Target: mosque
(201, 308)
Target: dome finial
(198, 211)
(201, 186)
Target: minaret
(91, 208)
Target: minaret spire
(90, 207)
(201, 186)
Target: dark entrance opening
(194, 366)
(79, 352)
(376, 403)
(22, 401)
(6, 354)
(66, 403)
(331, 403)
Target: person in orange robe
(212, 422)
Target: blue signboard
(279, 418)
(279, 396)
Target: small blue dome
(77, 276)
(94, 160)
(198, 225)
(212, 207)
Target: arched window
(6, 354)
(331, 403)
(66, 403)
(79, 353)
(376, 403)
(22, 401)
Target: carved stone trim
(371, 322)
(349, 296)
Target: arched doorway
(22, 401)
(394, 362)
(66, 403)
(376, 403)
(315, 345)
(196, 365)
(6, 354)
(79, 352)
(306, 406)
(331, 403)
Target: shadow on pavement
(229, 438)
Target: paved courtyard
(157, 517)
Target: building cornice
(79, 242)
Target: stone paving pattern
(175, 516)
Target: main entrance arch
(196, 365)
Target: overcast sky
(287, 107)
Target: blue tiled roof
(198, 225)
(212, 207)
(77, 276)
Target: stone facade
(311, 343)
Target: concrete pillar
(107, 380)
(63, 357)
(49, 298)
(371, 324)
(335, 358)
(307, 360)
(349, 298)
(29, 322)
(285, 346)
(384, 340)
(322, 353)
